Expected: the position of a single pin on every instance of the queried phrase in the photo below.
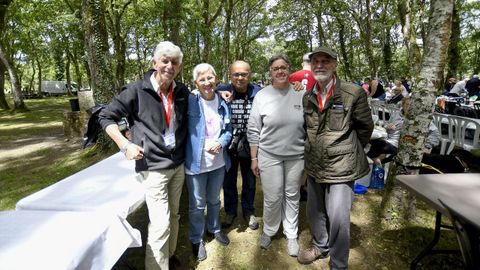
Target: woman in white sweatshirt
(276, 136)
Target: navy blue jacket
(142, 106)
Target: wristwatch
(125, 147)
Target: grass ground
(34, 154)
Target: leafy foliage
(45, 39)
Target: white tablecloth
(110, 185)
(63, 240)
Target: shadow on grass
(44, 115)
(371, 247)
(407, 243)
(44, 167)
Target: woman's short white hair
(168, 49)
(201, 68)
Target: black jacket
(143, 108)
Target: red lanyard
(168, 110)
(329, 93)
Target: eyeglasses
(238, 75)
(280, 68)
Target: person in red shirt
(305, 75)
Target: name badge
(337, 107)
(169, 139)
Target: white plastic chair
(378, 109)
(462, 124)
(446, 138)
(393, 110)
(375, 119)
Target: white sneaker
(252, 222)
(293, 247)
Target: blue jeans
(230, 193)
(204, 191)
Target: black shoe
(220, 237)
(199, 251)
(227, 223)
(175, 264)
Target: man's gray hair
(201, 68)
(168, 49)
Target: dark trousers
(230, 192)
(328, 212)
(380, 146)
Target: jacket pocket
(341, 161)
(309, 117)
(339, 150)
(335, 119)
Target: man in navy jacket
(243, 93)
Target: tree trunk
(18, 104)
(387, 41)
(226, 40)
(343, 50)
(139, 56)
(387, 54)
(419, 116)
(171, 20)
(59, 63)
(96, 43)
(39, 79)
(409, 35)
(454, 59)
(31, 88)
(68, 75)
(367, 38)
(78, 74)
(3, 102)
(78, 50)
(115, 16)
(206, 28)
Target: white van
(57, 88)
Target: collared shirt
(156, 87)
(326, 92)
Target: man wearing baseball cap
(339, 124)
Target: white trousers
(162, 195)
(281, 194)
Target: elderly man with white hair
(338, 125)
(156, 107)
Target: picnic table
(76, 223)
(60, 240)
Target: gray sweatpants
(328, 212)
(281, 194)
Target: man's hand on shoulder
(298, 86)
(226, 95)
